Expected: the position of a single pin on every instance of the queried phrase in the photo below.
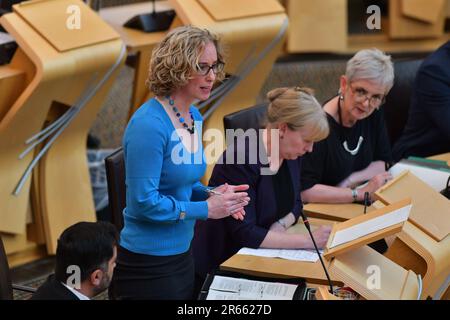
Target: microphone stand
(306, 222)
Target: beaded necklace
(180, 118)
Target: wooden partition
(254, 36)
(424, 243)
(57, 68)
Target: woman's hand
(321, 236)
(228, 200)
(374, 184)
(346, 183)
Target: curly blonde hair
(176, 57)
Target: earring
(341, 97)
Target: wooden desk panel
(334, 211)
(276, 267)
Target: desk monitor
(152, 22)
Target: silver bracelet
(354, 194)
(281, 221)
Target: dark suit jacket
(427, 131)
(52, 289)
(217, 240)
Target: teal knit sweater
(162, 180)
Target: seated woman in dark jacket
(270, 166)
(357, 148)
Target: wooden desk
(275, 267)
(334, 211)
(137, 42)
(443, 157)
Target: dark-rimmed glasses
(204, 68)
(361, 96)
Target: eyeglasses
(203, 68)
(361, 96)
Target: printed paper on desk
(288, 254)
(370, 226)
(227, 288)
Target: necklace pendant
(354, 151)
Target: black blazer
(217, 240)
(427, 131)
(52, 289)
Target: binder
(301, 292)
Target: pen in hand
(212, 191)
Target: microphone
(306, 222)
(366, 201)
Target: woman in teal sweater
(164, 162)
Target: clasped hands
(227, 200)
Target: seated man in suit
(427, 131)
(85, 261)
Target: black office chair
(115, 176)
(6, 286)
(399, 98)
(250, 118)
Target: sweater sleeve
(198, 192)
(145, 143)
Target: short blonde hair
(176, 57)
(298, 108)
(371, 64)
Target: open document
(289, 254)
(228, 288)
(370, 226)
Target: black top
(215, 240)
(284, 193)
(330, 163)
(52, 289)
(427, 131)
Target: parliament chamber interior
(73, 74)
